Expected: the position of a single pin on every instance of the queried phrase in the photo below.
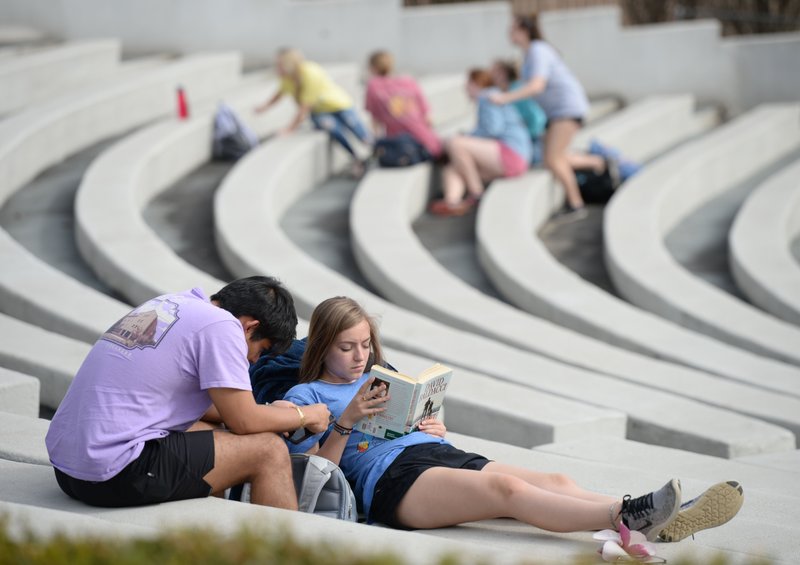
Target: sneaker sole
(715, 506)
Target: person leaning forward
(142, 421)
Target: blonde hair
(290, 59)
(330, 318)
(382, 63)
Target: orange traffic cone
(183, 106)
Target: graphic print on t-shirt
(145, 326)
(400, 106)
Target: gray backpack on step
(321, 488)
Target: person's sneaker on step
(717, 505)
(444, 208)
(571, 213)
(650, 513)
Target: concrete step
(19, 394)
(22, 439)
(31, 492)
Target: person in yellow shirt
(327, 104)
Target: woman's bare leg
(452, 185)
(476, 159)
(554, 482)
(556, 145)
(444, 497)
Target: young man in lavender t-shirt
(140, 423)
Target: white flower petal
(613, 552)
(607, 535)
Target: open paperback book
(411, 399)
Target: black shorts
(169, 468)
(577, 120)
(409, 465)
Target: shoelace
(637, 507)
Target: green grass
(248, 547)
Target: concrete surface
(760, 241)
(655, 201)
(46, 73)
(606, 56)
(19, 394)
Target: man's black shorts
(169, 468)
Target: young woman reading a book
(420, 480)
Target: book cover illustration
(411, 399)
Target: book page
(391, 423)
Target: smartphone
(302, 434)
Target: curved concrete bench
(771, 497)
(638, 219)
(22, 439)
(130, 257)
(393, 259)
(30, 492)
(525, 273)
(112, 235)
(248, 208)
(50, 357)
(41, 136)
(27, 79)
(760, 245)
(19, 394)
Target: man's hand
(317, 417)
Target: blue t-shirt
(532, 114)
(365, 458)
(563, 97)
(503, 123)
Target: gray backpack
(321, 488)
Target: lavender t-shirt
(563, 96)
(147, 376)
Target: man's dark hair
(266, 300)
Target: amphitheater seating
(29, 78)
(620, 466)
(34, 493)
(22, 439)
(397, 265)
(525, 273)
(509, 413)
(256, 193)
(140, 266)
(141, 166)
(760, 255)
(653, 202)
(50, 357)
(764, 514)
(19, 393)
(33, 140)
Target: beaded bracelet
(341, 430)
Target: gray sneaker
(569, 214)
(650, 513)
(714, 507)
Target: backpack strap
(317, 473)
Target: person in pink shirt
(398, 106)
